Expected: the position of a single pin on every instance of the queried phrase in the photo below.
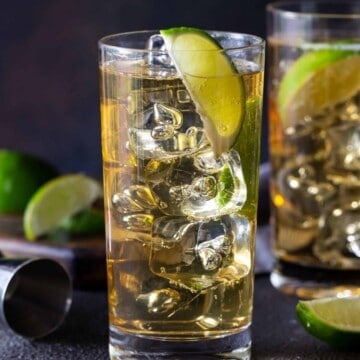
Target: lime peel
(333, 320)
(58, 199)
(213, 82)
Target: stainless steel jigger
(35, 295)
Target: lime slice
(333, 320)
(20, 176)
(227, 183)
(317, 80)
(57, 200)
(213, 82)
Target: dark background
(49, 102)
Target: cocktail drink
(314, 113)
(180, 141)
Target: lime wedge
(333, 320)
(57, 200)
(213, 82)
(317, 80)
(20, 176)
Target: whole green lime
(20, 176)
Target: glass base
(129, 347)
(310, 283)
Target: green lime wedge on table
(20, 176)
(333, 320)
(58, 200)
(213, 82)
(317, 80)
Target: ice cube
(133, 198)
(167, 115)
(141, 103)
(174, 239)
(162, 118)
(158, 55)
(220, 190)
(169, 181)
(131, 208)
(168, 120)
(216, 235)
(345, 142)
(160, 301)
(163, 131)
(210, 258)
(304, 189)
(350, 110)
(215, 244)
(309, 141)
(200, 186)
(168, 231)
(198, 256)
(340, 230)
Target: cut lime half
(213, 82)
(317, 80)
(333, 320)
(58, 200)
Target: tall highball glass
(314, 114)
(180, 197)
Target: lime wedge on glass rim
(213, 82)
(317, 80)
(333, 320)
(58, 200)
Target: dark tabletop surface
(276, 334)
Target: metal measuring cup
(35, 295)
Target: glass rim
(105, 41)
(280, 8)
